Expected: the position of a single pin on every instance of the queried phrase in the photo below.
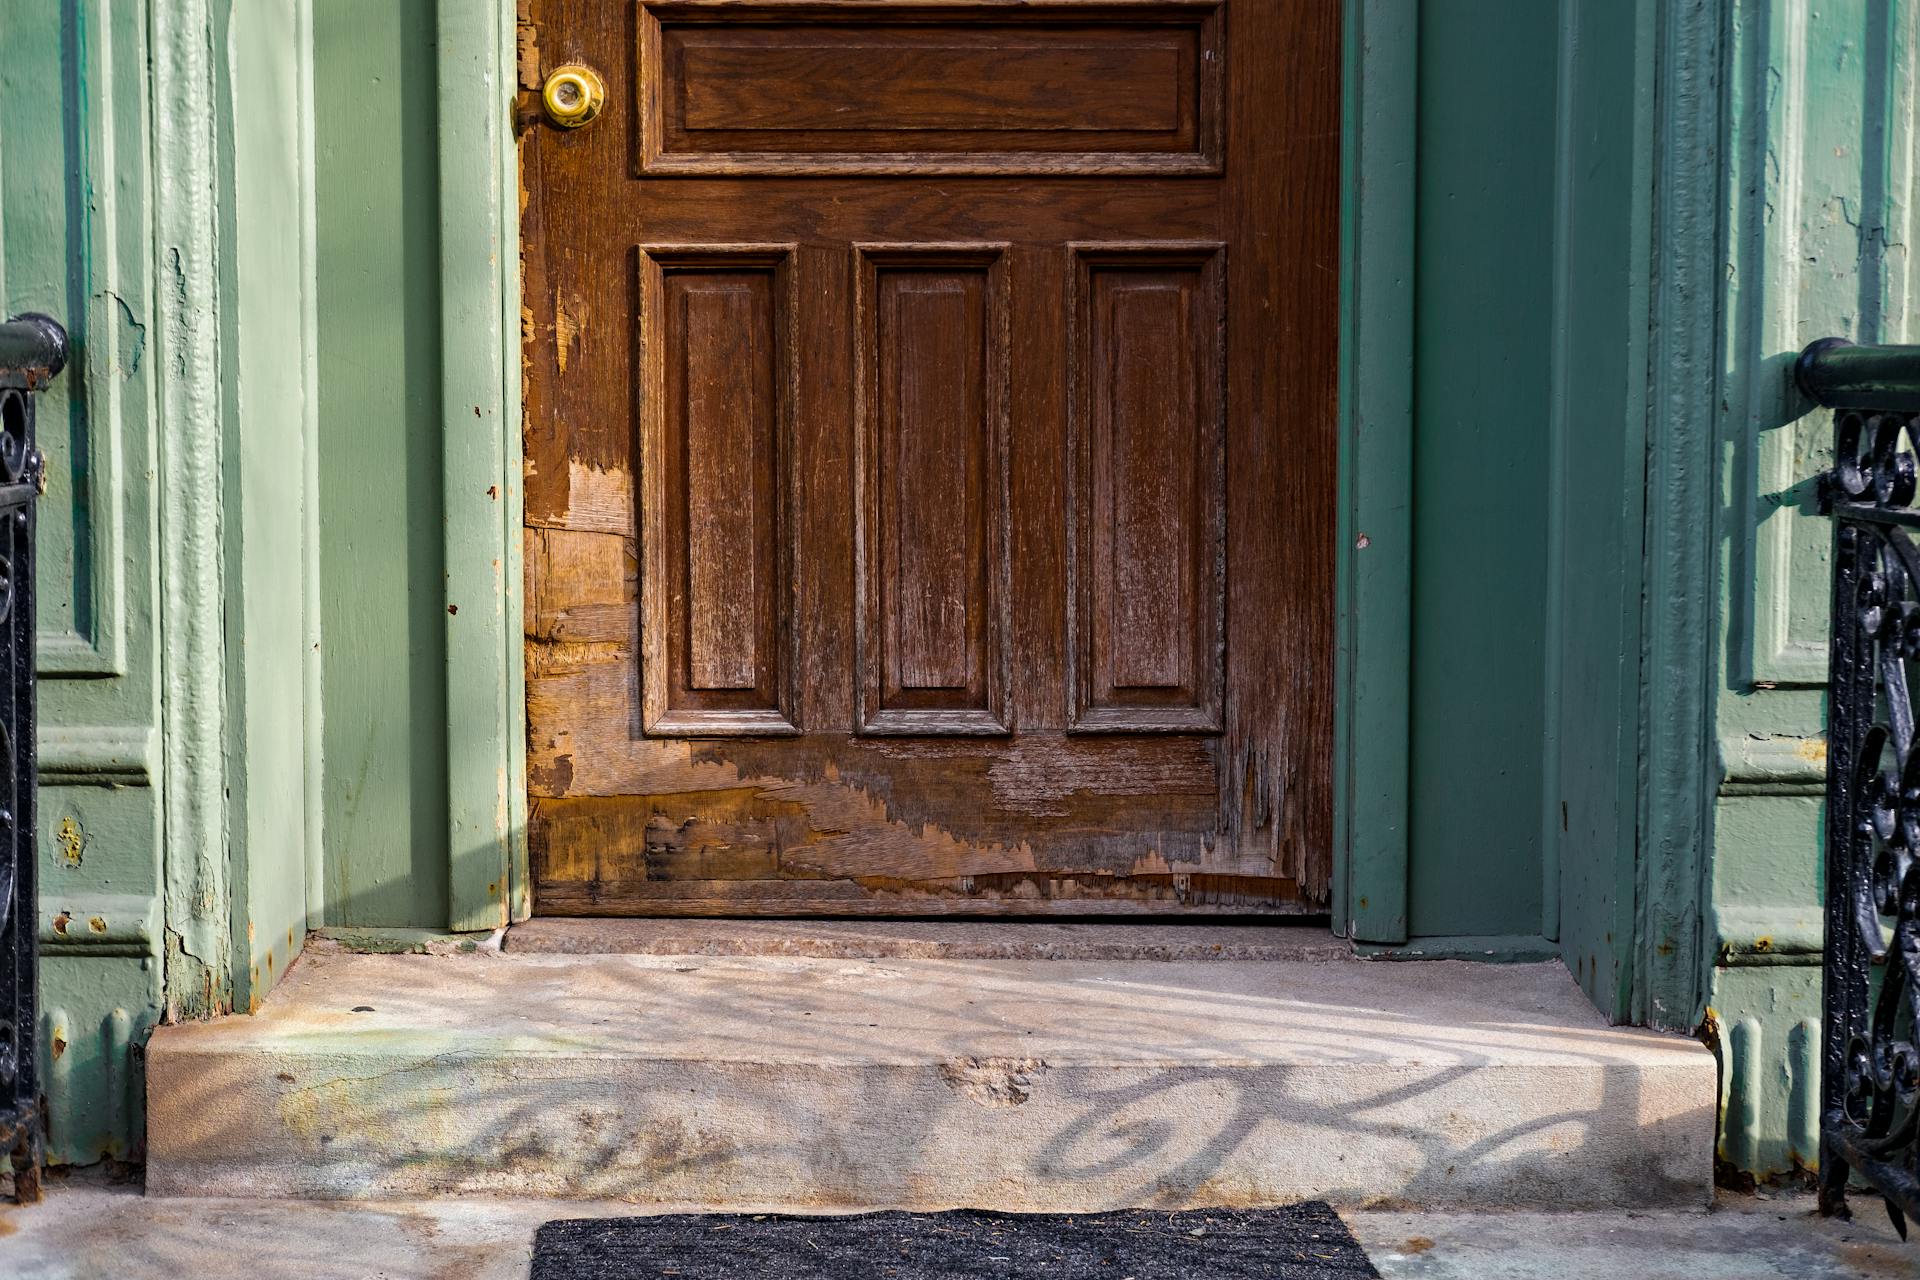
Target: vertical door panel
(932, 506)
(717, 392)
(1147, 494)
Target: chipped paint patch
(599, 501)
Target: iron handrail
(1870, 1055)
(33, 350)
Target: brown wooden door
(930, 436)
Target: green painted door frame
(481, 481)
(1374, 542)
(481, 485)
(1630, 118)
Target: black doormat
(1303, 1242)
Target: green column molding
(480, 372)
(383, 586)
(1374, 538)
(1679, 669)
(1609, 60)
(265, 350)
(192, 641)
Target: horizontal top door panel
(956, 88)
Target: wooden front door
(930, 456)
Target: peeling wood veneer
(1007, 502)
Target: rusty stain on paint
(72, 839)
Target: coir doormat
(1302, 1242)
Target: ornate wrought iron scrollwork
(1870, 1053)
(32, 351)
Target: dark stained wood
(930, 445)
(931, 504)
(715, 515)
(1146, 496)
(971, 86)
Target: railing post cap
(53, 333)
(1804, 367)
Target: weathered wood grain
(931, 534)
(907, 543)
(1043, 88)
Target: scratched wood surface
(930, 457)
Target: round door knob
(573, 95)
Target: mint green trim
(265, 355)
(1375, 529)
(1597, 398)
(313, 668)
(512, 482)
(1679, 667)
(479, 238)
(199, 913)
(377, 180)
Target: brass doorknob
(573, 95)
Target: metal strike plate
(573, 95)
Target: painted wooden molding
(1770, 935)
(480, 376)
(105, 924)
(1778, 764)
(1374, 538)
(99, 755)
(192, 643)
(1682, 414)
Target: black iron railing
(1870, 1058)
(32, 351)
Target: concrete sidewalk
(87, 1230)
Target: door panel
(715, 427)
(1146, 493)
(930, 457)
(980, 87)
(931, 531)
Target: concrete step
(929, 939)
(806, 1082)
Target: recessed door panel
(932, 501)
(1147, 497)
(717, 577)
(980, 87)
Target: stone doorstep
(813, 1083)
(928, 939)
